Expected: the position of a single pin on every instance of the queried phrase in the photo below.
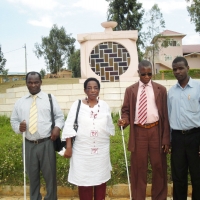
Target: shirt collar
(148, 84)
(38, 94)
(189, 84)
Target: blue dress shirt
(184, 106)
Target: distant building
(164, 56)
(192, 54)
(16, 76)
(61, 74)
(12, 76)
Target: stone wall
(111, 92)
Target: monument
(109, 56)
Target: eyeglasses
(144, 74)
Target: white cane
(24, 166)
(129, 186)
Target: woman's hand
(68, 152)
(199, 151)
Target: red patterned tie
(142, 111)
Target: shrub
(168, 74)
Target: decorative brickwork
(109, 60)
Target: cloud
(100, 6)
(44, 22)
(191, 38)
(165, 6)
(37, 4)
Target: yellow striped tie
(33, 116)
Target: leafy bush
(11, 167)
(167, 71)
(168, 74)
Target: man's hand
(68, 152)
(121, 122)
(55, 133)
(22, 126)
(199, 151)
(166, 148)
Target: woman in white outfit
(90, 166)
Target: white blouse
(90, 162)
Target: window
(168, 58)
(15, 79)
(165, 43)
(6, 80)
(172, 43)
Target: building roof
(168, 33)
(15, 73)
(191, 54)
(191, 48)
(172, 33)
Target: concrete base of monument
(121, 80)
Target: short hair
(33, 73)
(180, 59)
(144, 63)
(91, 79)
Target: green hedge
(11, 166)
(168, 74)
(191, 71)
(169, 71)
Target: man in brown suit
(145, 110)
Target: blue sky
(26, 21)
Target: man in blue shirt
(184, 116)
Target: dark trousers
(147, 143)
(41, 158)
(86, 192)
(184, 157)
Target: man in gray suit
(32, 115)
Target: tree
(2, 61)
(128, 14)
(42, 72)
(55, 48)
(74, 63)
(194, 12)
(153, 22)
(5, 74)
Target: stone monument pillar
(109, 56)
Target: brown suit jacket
(128, 113)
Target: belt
(187, 132)
(147, 125)
(38, 141)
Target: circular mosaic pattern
(109, 60)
